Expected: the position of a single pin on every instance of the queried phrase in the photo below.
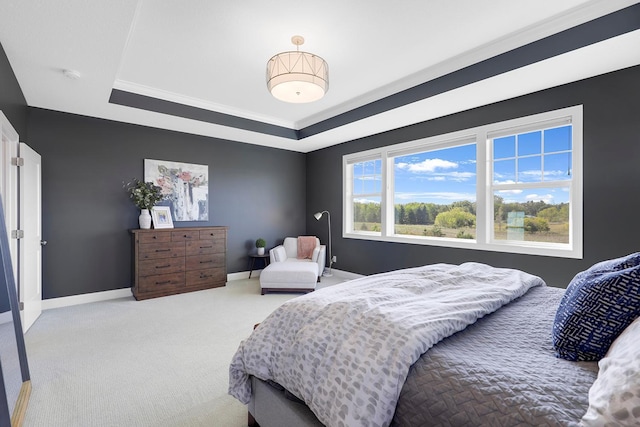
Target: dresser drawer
(210, 275)
(160, 250)
(201, 247)
(161, 282)
(212, 234)
(220, 246)
(199, 262)
(154, 237)
(152, 267)
(184, 235)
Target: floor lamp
(317, 216)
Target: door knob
(43, 242)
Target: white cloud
(427, 165)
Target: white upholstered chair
(286, 272)
(288, 252)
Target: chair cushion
(291, 247)
(284, 275)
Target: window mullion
(482, 174)
(388, 207)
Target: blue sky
(441, 177)
(448, 175)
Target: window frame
(484, 186)
(348, 176)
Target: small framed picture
(161, 217)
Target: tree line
(463, 213)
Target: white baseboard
(115, 294)
(86, 298)
(241, 275)
(126, 292)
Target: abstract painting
(184, 185)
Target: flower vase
(260, 251)
(144, 219)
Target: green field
(558, 233)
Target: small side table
(254, 257)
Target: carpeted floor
(158, 362)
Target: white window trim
(484, 200)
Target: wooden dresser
(171, 261)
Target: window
(435, 192)
(365, 196)
(514, 186)
(531, 185)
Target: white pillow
(614, 397)
(279, 254)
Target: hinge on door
(21, 306)
(17, 161)
(17, 234)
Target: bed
(491, 360)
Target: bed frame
(269, 407)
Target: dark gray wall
(255, 191)
(12, 102)
(611, 181)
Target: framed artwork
(184, 185)
(161, 216)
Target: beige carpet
(159, 362)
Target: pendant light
(296, 76)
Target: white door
(9, 186)
(30, 259)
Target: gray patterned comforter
(500, 371)
(346, 350)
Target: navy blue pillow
(597, 306)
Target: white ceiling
(213, 54)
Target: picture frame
(161, 216)
(185, 187)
